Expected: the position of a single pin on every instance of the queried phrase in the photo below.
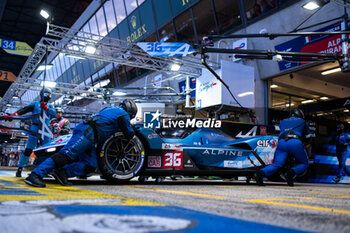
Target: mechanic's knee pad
(27, 152)
(61, 159)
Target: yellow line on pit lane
(271, 201)
(59, 192)
(176, 192)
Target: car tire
(119, 159)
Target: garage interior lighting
(307, 101)
(15, 97)
(43, 67)
(8, 105)
(119, 93)
(273, 86)
(90, 49)
(48, 84)
(346, 110)
(311, 5)
(331, 71)
(44, 14)
(287, 105)
(324, 98)
(245, 94)
(102, 83)
(175, 67)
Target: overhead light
(175, 67)
(245, 94)
(102, 83)
(324, 98)
(311, 5)
(119, 93)
(287, 105)
(48, 84)
(273, 86)
(319, 114)
(44, 14)
(67, 99)
(307, 101)
(15, 97)
(74, 56)
(90, 49)
(331, 71)
(8, 105)
(43, 67)
(346, 110)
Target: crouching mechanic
(342, 140)
(35, 107)
(293, 130)
(78, 156)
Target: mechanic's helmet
(59, 109)
(130, 107)
(340, 127)
(45, 94)
(297, 113)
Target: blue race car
(199, 152)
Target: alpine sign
(166, 49)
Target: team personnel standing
(59, 125)
(342, 140)
(293, 130)
(82, 146)
(35, 107)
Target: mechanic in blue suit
(342, 140)
(78, 156)
(293, 130)
(35, 107)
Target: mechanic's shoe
(19, 172)
(336, 180)
(34, 180)
(61, 176)
(259, 177)
(290, 177)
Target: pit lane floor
(185, 205)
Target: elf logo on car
(172, 159)
(263, 143)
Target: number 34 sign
(16, 47)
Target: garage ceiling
(20, 21)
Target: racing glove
(44, 106)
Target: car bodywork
(202, 152)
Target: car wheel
(120, 159)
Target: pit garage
(204, 88)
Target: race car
(201, 152)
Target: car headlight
(51, 149)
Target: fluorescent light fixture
(324, 98)
(311, 6)
(102, 83)
(48, 84)
(307, 101)
(51, 149)
(287, 105)
(319, 114)
(44, 14)
(245, 94)
(8, 105)
(119, 93)
(346, 110)
(43, 67)
(331, 71)
(74, 56)
(90, 49)
(15, 97)
(175, 67)
(273, 86)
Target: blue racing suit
(341, 142)
(80, 151)
(292, 131)
(32, 142)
